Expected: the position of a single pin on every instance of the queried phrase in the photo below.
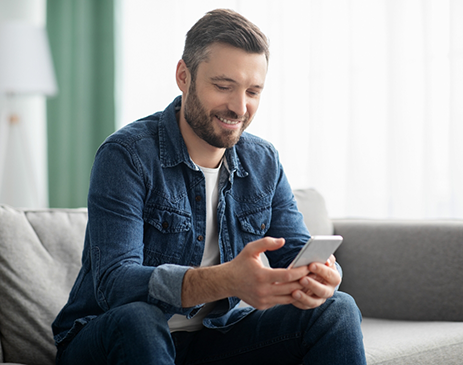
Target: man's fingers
(255, 248)
(317, 288)
(331, 261)
(325, 274)
(285, 288)
(287, 275)
(305, 301)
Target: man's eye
(222, 88)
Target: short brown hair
(222, 26)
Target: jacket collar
(173, 150)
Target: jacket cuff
(165, 284)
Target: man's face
(222, 101)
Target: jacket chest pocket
(169, 221)
(167, 232)
(255, 222)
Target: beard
(202, 122)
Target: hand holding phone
(317, 249)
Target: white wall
(362, 98)
(23, 146)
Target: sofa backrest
(403, 269)
(312, 206)
(40, 254)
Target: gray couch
(407, 278)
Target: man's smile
(227, 121)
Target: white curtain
(363, 99)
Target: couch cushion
(389, 342)
(39, 259)
(312, 206)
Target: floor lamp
(25, 69)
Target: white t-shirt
(211, 255)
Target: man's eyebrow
(228, 79)
(223, 78)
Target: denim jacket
(147, 216)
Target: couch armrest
(411, 270)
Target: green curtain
(82, 115)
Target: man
(181, 204)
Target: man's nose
(238, 104)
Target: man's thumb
(266, 244)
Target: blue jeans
(137, 333)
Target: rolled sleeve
(165, 290)
(165, 284)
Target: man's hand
(248, 279)
(319, 285)
(260, 286)
(244, 277)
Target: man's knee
(345, 300)
(140, 332)
(134, 333)
(343, 307)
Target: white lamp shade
(25, 60)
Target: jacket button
(262, 226)
(200, 238)
(198, 198)
(165, 225)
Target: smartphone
(317, 249)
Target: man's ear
(183, 76)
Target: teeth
(226, 121)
